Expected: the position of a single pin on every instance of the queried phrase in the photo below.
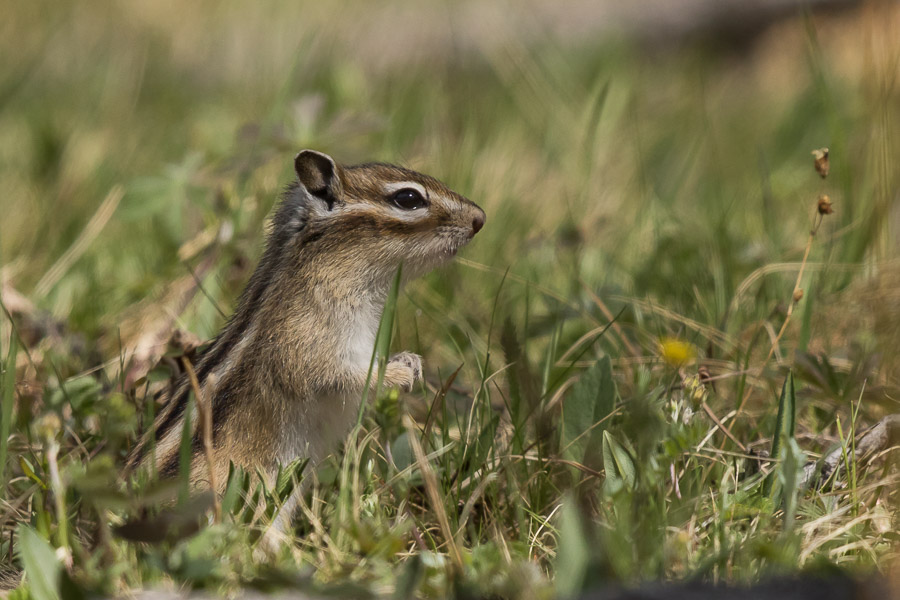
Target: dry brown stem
(205, 411)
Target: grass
(648, 215)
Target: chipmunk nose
(477, 223)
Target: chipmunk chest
(330, 412)
(356, 338)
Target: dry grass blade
(470, 503)
(882, 436)
(78, 247)
(439, 397)
(723, 427)
(710, 333)
(204, 409)
(522, 280)
(632, 350)
(152, 330)
(434, 494)
(740, 294)
(837, 532)
(559, 461)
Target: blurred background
(648, 159)
(653, 149)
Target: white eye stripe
(390, 188)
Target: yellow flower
(675, 352)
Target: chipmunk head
(375, 216)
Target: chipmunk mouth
(440, 250)
(442, 247)
(457, 241)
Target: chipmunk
(285, 376)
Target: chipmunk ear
(319, 174)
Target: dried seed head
(798, 295)
(694, 390)
(821, 161)
(824, 206)
(704, 374)
(48, 426)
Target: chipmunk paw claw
(407, 368)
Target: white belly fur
(320, 423)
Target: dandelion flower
(675, 352)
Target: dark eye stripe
(408, 199)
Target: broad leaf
(41, 566)
(572, 552)
(591, 400)
(618, 465)
(785, 424)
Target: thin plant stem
(204, 409)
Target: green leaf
(401, 451)
(572, 553)
(410, 578)
(592, 399)
(41, 566)
(791, 474)
(69, 589)
(29, 472)
(79, 393)
(785, 424)
(289, 477)
(285, 482)
(618, 465)
(253, 504)
(235, 489)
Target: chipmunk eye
(408, 199)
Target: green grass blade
(290, 477)
(806, 321)
(232, 495)
(792, 467)
(287, 480)
(150, 421)
(382, 342)
(253, 504)
(7, 402)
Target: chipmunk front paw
(403, 371)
